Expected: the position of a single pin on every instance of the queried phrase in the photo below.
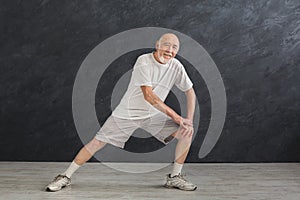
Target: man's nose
(169, 49)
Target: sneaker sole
(49, 190)
(169, 186)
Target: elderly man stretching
(142, 106)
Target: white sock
(176, 169)
(72, 168)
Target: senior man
(142, 106)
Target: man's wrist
(178, 119)
(191, 121)
(190, 118)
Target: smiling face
(166, 48)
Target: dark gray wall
(255, 44)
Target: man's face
(167, 48)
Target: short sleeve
(141, 74)
(183, 82)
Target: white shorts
(116, 131)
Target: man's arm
(188, 128)
(155, 101)
(191, 100)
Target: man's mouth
(168, 56)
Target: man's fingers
(189, 132)
(183, 126)
(190, 123)
(185, 131)
(187, 122)
(182, 131)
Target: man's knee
(187, 139)
(95, 145)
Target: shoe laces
(181, 177)
(60, 176)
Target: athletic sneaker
(59, 182)
(179, 182)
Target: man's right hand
(186, 122)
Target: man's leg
(88, 151)
(84, 155)
(181, 152)
(175, 179)
(160, 127)
(114, 131)
(64, 179)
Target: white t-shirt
(161, 77)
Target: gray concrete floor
(26, 180)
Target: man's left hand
(186, 130)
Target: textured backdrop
(255, 45)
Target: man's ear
(157, 45)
